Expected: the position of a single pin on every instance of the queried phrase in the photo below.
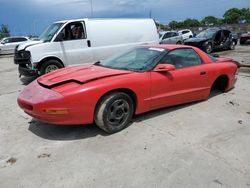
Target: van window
(74, 31)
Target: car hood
(196, 39)
(80, 74)
(24, 45)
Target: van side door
(74, 44)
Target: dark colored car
(245, 38)
(213, 39)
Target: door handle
(203, 72)
(88, 43)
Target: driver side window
(73, 31)
(181, 58)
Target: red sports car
(110, 92)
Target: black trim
(23, 70)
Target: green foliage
(186, 23)
(235, 15)
(4, 31)
(231, 16)
(211, 20)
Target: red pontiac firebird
(110, 92)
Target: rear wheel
(232, 45)
(49, 66)
(208, 48)
(114, 112)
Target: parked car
(82, 41)
(110, 92)
(186, 33)
(213, 39)
(245, 38)
(8, 44)
(170, 37)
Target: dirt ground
(203, 144)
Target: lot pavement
(203, 144)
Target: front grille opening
(26, 106)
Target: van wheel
(114, 112)
(49, 66)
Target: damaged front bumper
(25, 67)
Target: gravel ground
(203, 144)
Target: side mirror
(164, 68)
(2, 42)
(59, 37)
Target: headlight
(25, 54)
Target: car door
(217, 40)
(227, 38)
(188, 82)
(166, 38)
(15, 41)
(172, 38)
(175, 38)
(75, 47)
(7, 45)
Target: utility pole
(150, 14)
(91, 8)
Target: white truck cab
(72, 42)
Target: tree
(233, 15)
(246, 14)
(211, 20)
(4, 31)
(191, 23)
(173, 24)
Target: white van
(72, 42)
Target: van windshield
(48, 34)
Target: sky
(25, 17)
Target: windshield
(206, 34)
(138, 59)
(48, 34)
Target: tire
(49, 66)
(179, 42)
(114, 112)
(208, 48)
(232, 45)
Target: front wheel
(114, 112)
(49, 66)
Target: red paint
(78, 89)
